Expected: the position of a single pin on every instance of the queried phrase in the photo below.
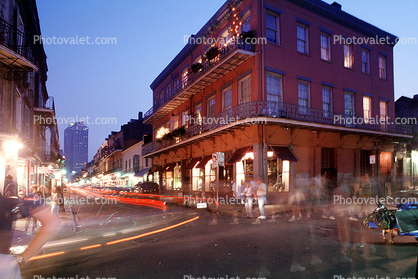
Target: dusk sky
(111, 81)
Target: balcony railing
(206, 66)
(17, 41)
(276, 110)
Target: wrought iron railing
(19, 42)
(191, 77)
(253, 113)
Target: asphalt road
(212, 247)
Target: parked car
(147, 188)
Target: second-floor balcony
(285, 114)
(45, 114)
(228, 58)
(17, 49)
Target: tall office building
(76, 137)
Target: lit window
(382, 67)
(325, 47)
(184, 78)
(348, 56)
(302, 38)
(367, 108)
(383, 114)
(185, 118)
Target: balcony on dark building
(228, 58)
(289, 116)
(17, 49)
(45, 114)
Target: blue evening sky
(112, 81)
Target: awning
(192, 163)
(169, 167)
(284, 153)
(142, 172)
(238, 155)
(204, 161)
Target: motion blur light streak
(153, 232)
(116, 241)
(90, 247)
(46, 256)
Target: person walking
(249, 193)
(261, 197)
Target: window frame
(305, 41)
(280, 86)
(382, 70)
(276, 31)
(327, 113)
(328, 49)
(366, 110)
(348, 59)
(302, 108)
(365, 65)
(241, 97)
(210, 107)
(224, 107)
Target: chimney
(336, 5)
(416, 97)
(140, 115)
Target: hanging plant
(196, 67)
(212, 52)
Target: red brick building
(284, 90)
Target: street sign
(218, 159)
(372, 159)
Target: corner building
(274, 91)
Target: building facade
(118, 159)
(28, 130)
(281, 91)
(76, 140)
(407, 161)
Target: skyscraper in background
(76, 137)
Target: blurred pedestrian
(55, 201)
(295, 201)
(29, 206)
(249, 194)
(261, 196)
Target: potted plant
(168, 136)
(247, 35)
(179, 132)
(212, 52)
(196, 67)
